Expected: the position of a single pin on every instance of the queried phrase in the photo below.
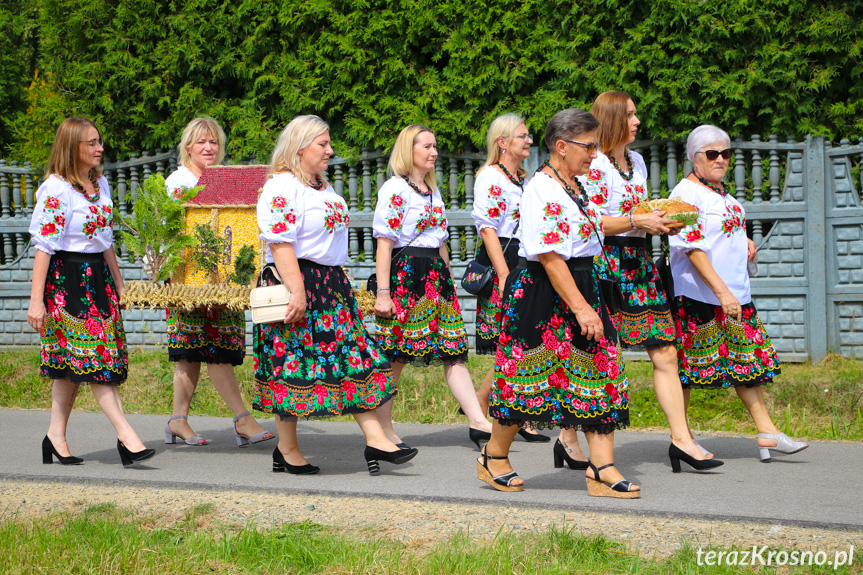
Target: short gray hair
(702, 136)
(568, 124)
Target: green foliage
(156, 228)
(211, 248)
(244, 266)
(142, 69)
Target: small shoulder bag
(270, 304)
(479, 279)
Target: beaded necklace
(721, 191)
(518, 179)
(95, 197)
(318, 184)
(416, 188)
(579, 197)
(625, 175)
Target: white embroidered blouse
(402, 214)
(182, 177)
(619, 196)
(552, 222)
(721, 234)
(496, 202)
(314, 222)
(64, 219)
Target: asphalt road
(819, 486)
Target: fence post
(816, 257)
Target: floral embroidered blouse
(721, 234)
(496, 202)
(401, 214)
(182, 177)
(619, 196)
(552, 222)
(64, 219)
(314, 222)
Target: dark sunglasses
(713, 154)
(591, 148)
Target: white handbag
(270, 304)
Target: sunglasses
(713, 154)
(591, 148)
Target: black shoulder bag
(479, 279)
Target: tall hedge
(143, 68)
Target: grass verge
(823, 401)
(106, 539)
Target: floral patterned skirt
(645, 318)
(83, 338)
(207, 336)
(488, 308)
(326, 364)
(427, 327)
(546, 372)
(716, 351)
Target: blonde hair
(402, 157)
(65, 158)
(502, 127)
(193, 131)
(298, 134)
(609, 109)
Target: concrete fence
(802, 200)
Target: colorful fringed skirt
(716, 351)
(427, 327)
(207, 336)
(83, 338)
(488, 314)
(546, 372)
(645, 317)
(325, 364)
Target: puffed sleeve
(107, 210)
(390, 210)
(280, 211)
(489, 202)
(596, 183)
(638, 163)
(691, 237)
(50, 214)
(544, 224)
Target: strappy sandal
(501, 482)
(244, 440)
(170, 435)
(621, 489)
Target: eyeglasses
(591, 148)
(713, 154)
(93, 143)
(523, 137)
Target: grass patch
(823, 401)
(113, 540)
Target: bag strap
(403, 248)
(275, 272)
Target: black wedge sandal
(621, 489)
(501, 482)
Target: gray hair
(702, 136)
(568, 124)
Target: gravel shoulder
(419, 525)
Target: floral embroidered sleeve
(694, 236)
(50, 215)
(280, 211)
(596, 184)
(545, 226)
(390, 211)
(489, 204)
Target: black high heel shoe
(129, 458)
(48, 450)
(281, 466)
(373, 454)
(675, 454)
(560, 455)
(477, 435)
(534, 437)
